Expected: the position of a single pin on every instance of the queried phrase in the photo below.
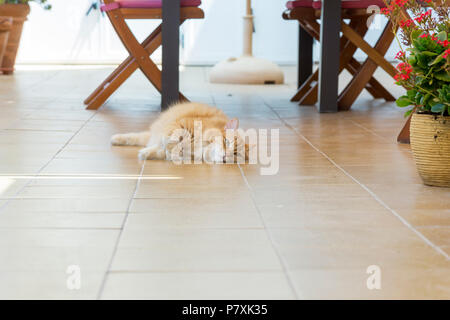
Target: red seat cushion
(346, 4)
(145, 4)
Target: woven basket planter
(430, 143)
(19, 13)
(5, 28)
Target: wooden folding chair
(139, 53)
(307, 13)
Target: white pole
(247, 69)
(248, 30)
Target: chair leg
(348, 50)
(112, 86)
(307, 94)
(404, 135)
(117, 78)
(139, 58)
(307, 84)
(125, 64)
(354, 71)
(305, 56)
(305, 87)
(377, 90)
(311, 97)
(372, 53)
(359, 82)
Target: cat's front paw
(144, 154)
(118, 140)
(151, 153)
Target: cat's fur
(160, 140)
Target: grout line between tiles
(59, 228)
(156, 271)
(367, 130)
(280, 258)
(376, 134)
(373, 194)
(16, 195)
(269, 234)
(119, 236)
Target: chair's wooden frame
(375, 59)
(307, 18)
(352, 39)
(307, 94)
(139, 53)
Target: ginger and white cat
(185, 127)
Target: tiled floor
(346, 197)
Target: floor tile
(194, 212)
(189, 249)
(406, 283)
(47, 285)
(198, 286)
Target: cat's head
(225, 145)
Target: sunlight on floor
(87, 177)
(5, 183)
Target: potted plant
(18, 10)
(423, 28)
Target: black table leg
(305, 56)
(329, 55)
(170, 52)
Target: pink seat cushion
(346, 4)
(299, 4)
(145, 4)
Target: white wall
(219, 36)
(66, 35)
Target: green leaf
(411, 94)
(415, 34)
(429, 53)
(404, 101)
(422, 61)
(418, 98)
(412, 60)
(442, 36)
(443, 76)
(407, 113)
(437, 60)
(424, 99)
(438, 108)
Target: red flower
(405, 70)
(400, 55)
(444, 43)
(406, 23)
(446, 53)
(386, 11)
(423, 16)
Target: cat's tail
(131, 139)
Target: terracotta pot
(430, 143)
(19, 13)
(5, 28)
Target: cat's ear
(232, 124)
